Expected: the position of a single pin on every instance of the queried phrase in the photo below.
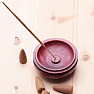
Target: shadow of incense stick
(28, 29)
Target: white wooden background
(69, 19)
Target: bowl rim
(60, 40)
(57, 72)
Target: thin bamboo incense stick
(28, 29)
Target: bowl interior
(60, 49)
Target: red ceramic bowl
(66, 58)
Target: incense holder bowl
(66, 58)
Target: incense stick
(28, 29)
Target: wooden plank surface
(69, 19)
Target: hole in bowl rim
(60, 40)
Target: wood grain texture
(69, 19)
